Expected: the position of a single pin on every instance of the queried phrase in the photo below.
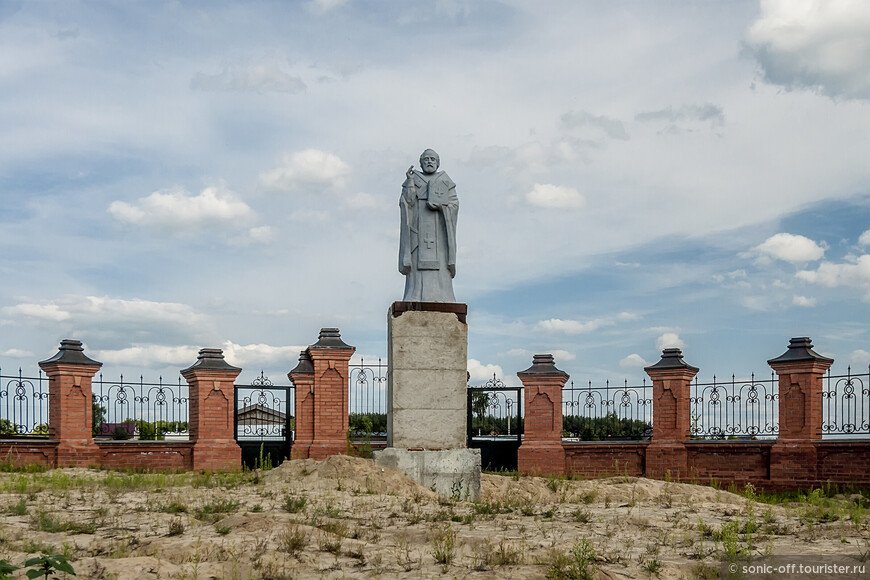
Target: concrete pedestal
(454, 473)
(427, 399)
(427, 379)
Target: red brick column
(70, 403)
(541, 451)
(671, 377)
(794, 458)
(303, 379)
(211, 404)
(330, 357)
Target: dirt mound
(345, 473)
(614, 490)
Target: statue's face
(429, 161)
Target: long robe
(427, 244)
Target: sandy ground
(347, 518)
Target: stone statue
(427, 243)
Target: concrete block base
(454, 473)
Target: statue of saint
(427, 243)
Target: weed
(579, 564)
(176, 527)
(327, 542)
(18, 509)
(293, 539)
(213, 511)
(294, 505)
(443, 544)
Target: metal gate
(495, 424)
(264, 422)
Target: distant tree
(98, 417)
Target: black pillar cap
(71, 352)
(543, 364)
(305, 365)
(672, 358)
(330, 338)
(800, 349)
(211, 359)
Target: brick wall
(797, 459)
(70, 443)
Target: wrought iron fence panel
(846, 404)
(367, 387)
(610, 412)
(367, 398)
(265, 411)
(495, 411)
(24, 405)
(123, 409)
(745, 408)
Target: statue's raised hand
(410, 172)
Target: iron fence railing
(367, 398)
(495, 411)
(23, 405)
(846, 403)
(265, 411)
(137, 409)
(601, 413)
(735, 409)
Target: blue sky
(631, 176)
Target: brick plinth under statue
(427, 400)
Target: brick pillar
(541, 451)
(671, 378)
(303, 379)
(70, 403)
(330, 356)
(212, 412)
(793, 458)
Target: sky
(632, 176)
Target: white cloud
(323, 6)
(612, 127)
(633, 361)
(309, 216)
(17, 353)
(481, 373)
(577, 327)
(149, 355)
(51, 312)
(260, 354)
(859, 358)
(803, 301)
(685, 115)
(864, 240)
(158, 355)
(102, 308)
(261, 234)
(555, 196)
(178, 209)
(364, 201)
(789, 248)
(260, 78)
(854, 275)
(823, 45)
(669, 340)
(305, 169)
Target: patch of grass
(18, 509)
(293, 539)
(46, 522)
(214, 510)
(294, 505)
(578, 564)
(444, 544)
